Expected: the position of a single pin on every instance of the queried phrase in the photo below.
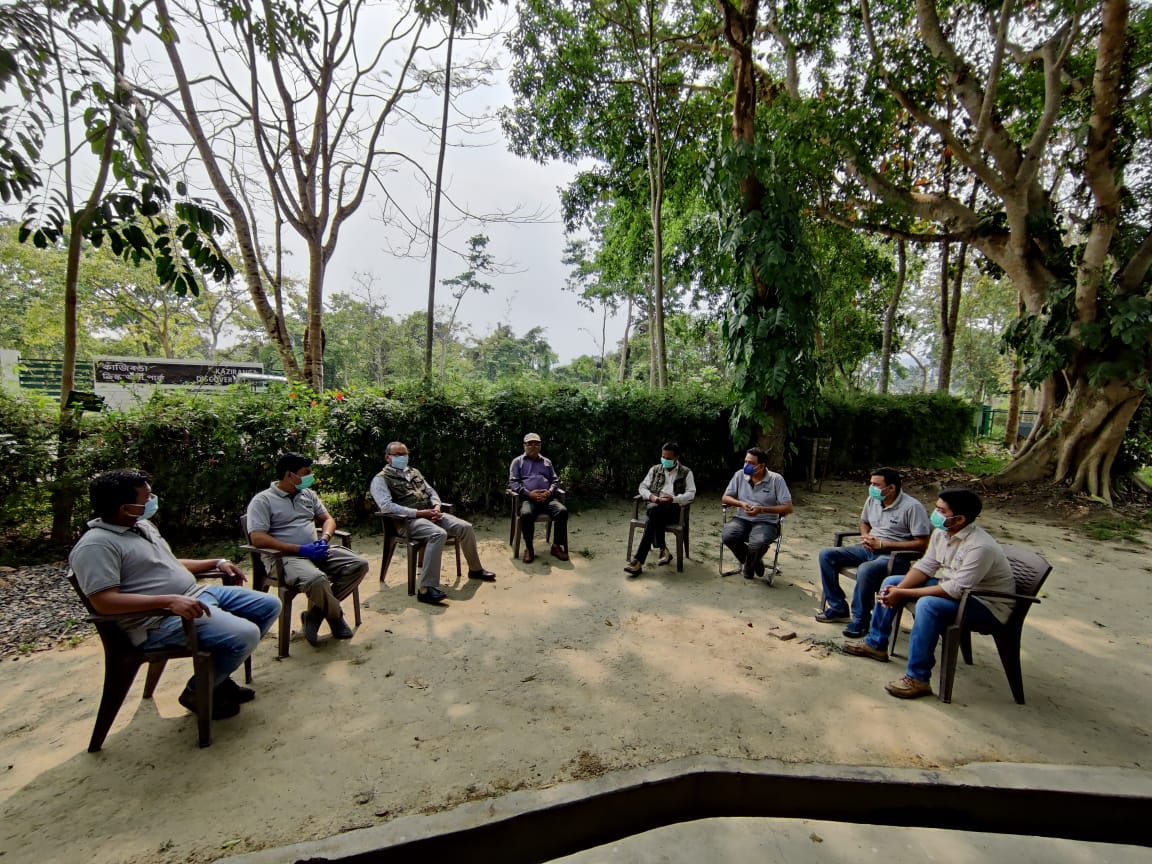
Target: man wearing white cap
(532, 477)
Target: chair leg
(631, 538)
(202, 663)
(459, 574)
(516, 538)
(119, 673)
(681, 541)
(248, 669)
(285, 634)
(895, 634)
(356, 604)
(1008, 646)
(966, 646)
(386, 557)
(412, 556)
(155, 670)
(952, 639)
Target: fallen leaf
(416, 683)
(815, 838)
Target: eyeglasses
(531, 443)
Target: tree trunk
(435, 242)
(314, 331)
(1012, 424)
(622, 373)
(890, 314)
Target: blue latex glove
(317, 551)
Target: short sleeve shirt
(290, 518)
(902, 520)
(772, 491)
(136, 561)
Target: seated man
(960, 556)
(762, 497)
(122, 564)
(532, 477)
(285, 517)
(890, 521)
(666, 487)
(399, 490)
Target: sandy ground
(561, 671)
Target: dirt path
(561, 671)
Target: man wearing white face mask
(123, 565)
(891, 521)
(285, 517)
(400, 490)
(666, 488)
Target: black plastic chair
(395, 531)
(264, 575)
(770, 571)
(679, 530)
(122, 660)
(1030, 570)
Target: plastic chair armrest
(839, 537)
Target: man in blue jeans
(123, 565)
(960, 557)
(890, 521)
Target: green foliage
(27, 425)
(871, 430)
(1110, 528)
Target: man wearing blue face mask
(285, 517)
(890, 521)
(123, 565)
(400, 490)
(763, 498)
(667, 487)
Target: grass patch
(1110, 528)
(1145, 474)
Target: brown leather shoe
(528, 557)
(863, 649)
(559, 552)
(909, 688)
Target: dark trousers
(530, 509)
(749, 540)
(660, 516)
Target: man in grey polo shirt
(285, 517)
(763, 498)
(891, 521)
(123, 565)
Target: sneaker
(431, 595)
(863, 649)
(230, 690)
(830, 617)
(909, 688)
(340, 629)
(222, 709)
(665, 557)
(633, 568)
(310, 624)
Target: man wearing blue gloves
(285, 517)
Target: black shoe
(431, 595)
(341, 630)
(310, 623)
(665, 558)
(231, 691)
(634, 567)
(482, 574)
(855, 631)
(222, 709)
(760, 567)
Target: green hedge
(210, 454)
(868, 431)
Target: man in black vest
(666, 487)
(399, 490)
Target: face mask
(667, 463)
(749, 468)
(400, 462)
(876, 492)
(938, 519)
(150, 508)
(305, 481)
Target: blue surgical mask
(667, 463)
(306, 481)
(150, 507)
(938, 519)
(749, 468)
(400, 462)
(876, 492)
